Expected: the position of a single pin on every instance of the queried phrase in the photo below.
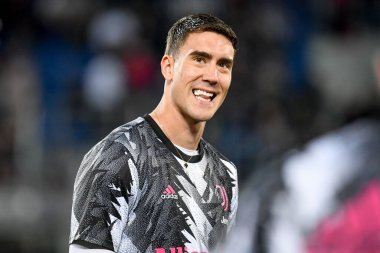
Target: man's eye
(225, 65)
(198, 59)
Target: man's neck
(179, 131)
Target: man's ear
(167, 66)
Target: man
(153, 184)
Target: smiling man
(154, 184)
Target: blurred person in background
(154, 184)
(323, 197)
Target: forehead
(210, 42)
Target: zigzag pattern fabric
(131, 194)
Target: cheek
(191, 73)
(225, 82)
(181, 76)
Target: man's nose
(210, 73)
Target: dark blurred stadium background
(72, 70)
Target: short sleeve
(102, 195)
(235, 194)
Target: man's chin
(203, 117)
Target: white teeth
(201, 92)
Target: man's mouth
(204, 95)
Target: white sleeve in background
(75, 248)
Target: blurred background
(73, 70)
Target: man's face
(201, 75)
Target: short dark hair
(196, 23)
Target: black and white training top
(132, 194)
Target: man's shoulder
(114, 153)
(121, 140)
(214, 151)
(126, 129)
(124, 134)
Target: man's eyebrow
(209, 56)
(201, 53)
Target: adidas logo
(169, 193)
